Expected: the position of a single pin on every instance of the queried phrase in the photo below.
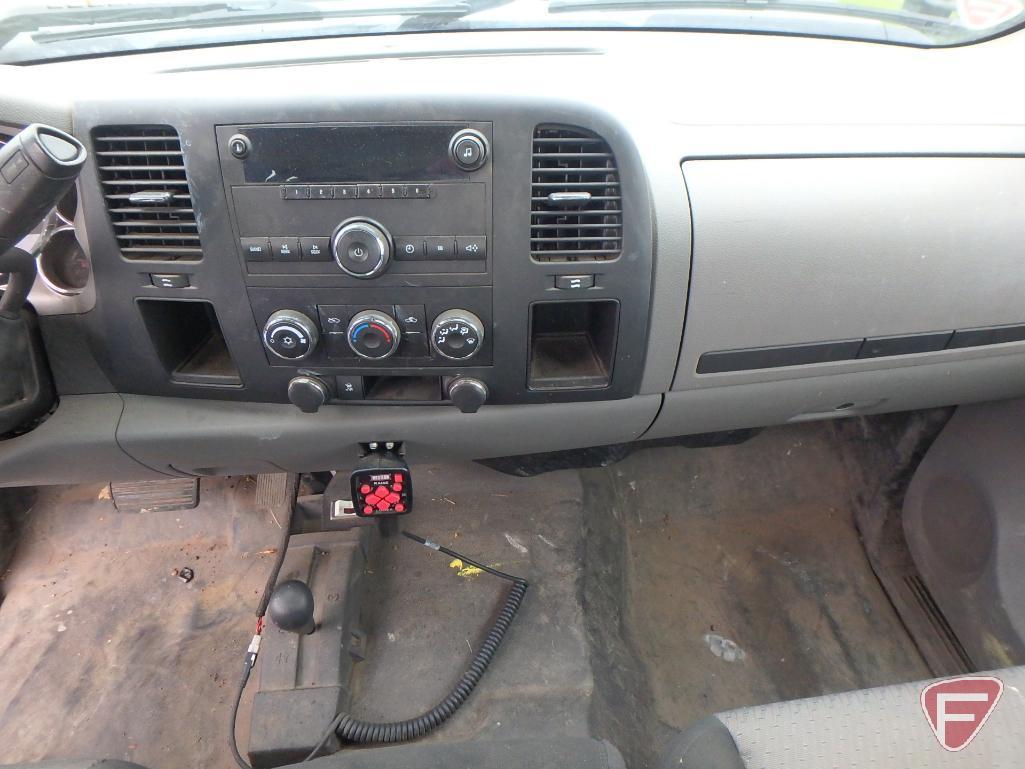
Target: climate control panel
(428, 328)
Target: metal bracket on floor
(304, 678)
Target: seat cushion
(882, 728)
(563, 753)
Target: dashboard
(487, 244)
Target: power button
(239, 146)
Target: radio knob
(373, 335)
(361, 248)
(457, 334)
(469, 149)
(290, 335)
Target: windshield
(43, 30)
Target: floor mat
(743, 581)
(674, 584)
(106, 653)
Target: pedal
(276, 493)
(155, 496)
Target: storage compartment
(189, 342)
(572, 344)
(408, 389)
(793, 258)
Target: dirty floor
(674, 584)
(741, 581)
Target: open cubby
(189, 342)
(415, 389)
(572, 344)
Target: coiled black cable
(352, 730)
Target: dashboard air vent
(143, 176)
(575, 203)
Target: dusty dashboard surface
(413, 241)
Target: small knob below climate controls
(290, 335)
(361, 248)
(373, 334)
(457, 334)
(467, 394)
(308, 393)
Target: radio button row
(441, 247)
(353, 191)
(256, 249)
(315, 249)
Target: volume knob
(361, 248)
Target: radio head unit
(360, 201)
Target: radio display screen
(350, 153)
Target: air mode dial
(374, 335)
(457, 334)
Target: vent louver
(575, 202)
(147, 194)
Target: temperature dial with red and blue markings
(374, 335)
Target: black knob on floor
(467, 394)
(291, 607)
(308, 393)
